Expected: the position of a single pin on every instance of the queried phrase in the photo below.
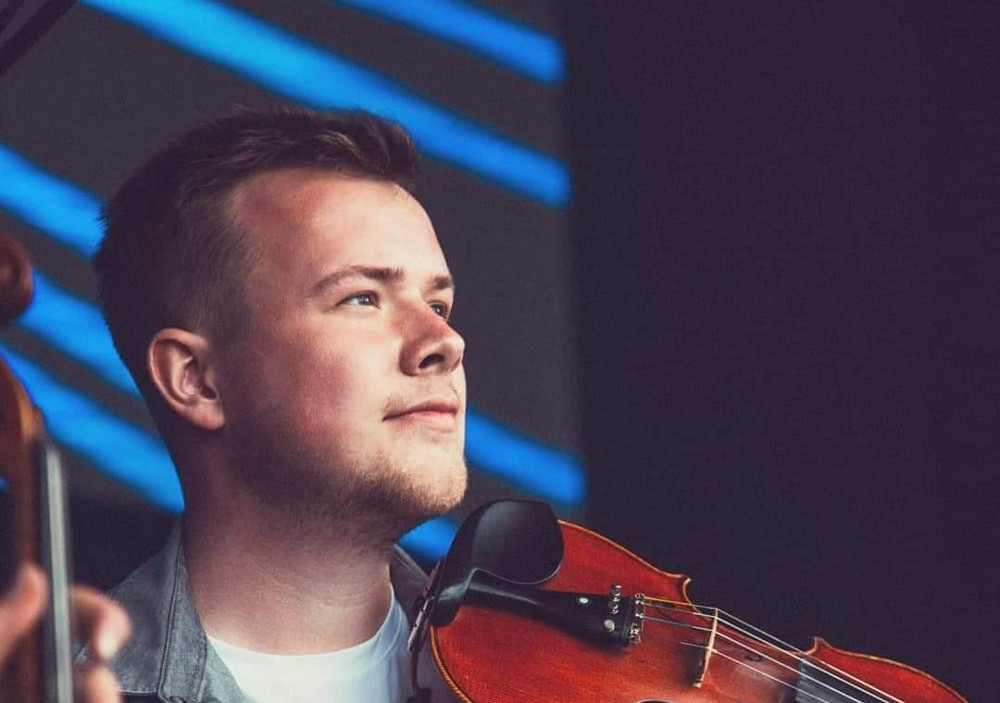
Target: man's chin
(436, 498)
(377, 506)
(400, 501)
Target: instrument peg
(614, 599)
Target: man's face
(345, 392)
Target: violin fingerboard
(817, 684)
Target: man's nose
(432, 346)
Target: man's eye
(441, 309)
(361, 299)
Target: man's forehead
(296, 193)
(325, 225)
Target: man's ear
(180, 367)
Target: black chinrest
(514, 541)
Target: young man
(282, 302)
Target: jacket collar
(168, 654)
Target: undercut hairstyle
(173, 254)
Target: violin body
(488, 655)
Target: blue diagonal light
(548, 473)
(431, 540)
(77, 329)
(508, 43)
(48, 203)
(317, 77)
(125, 452)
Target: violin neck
(36, 512)
(54, 550)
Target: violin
(34, 509)
(529, 609)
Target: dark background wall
(786, 270)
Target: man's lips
(438, 413)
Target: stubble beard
(368, 501)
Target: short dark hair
(172, 255)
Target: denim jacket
(168, 658)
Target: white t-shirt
(374, 671)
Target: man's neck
(256, 586)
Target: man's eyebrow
(442, 282)
(383, 274)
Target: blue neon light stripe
(315, 76)
(430, 540)
(125, 452)
(549, 473)
(60, 209)
(512, 45)
(77, 329)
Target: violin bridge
(699, 679)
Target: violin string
(647, 618)
(755, 633)
(756, 670)
(695, 645)
(872, 693)
(839, 675)
(798, 690)
(762, 655)
(745, 628)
